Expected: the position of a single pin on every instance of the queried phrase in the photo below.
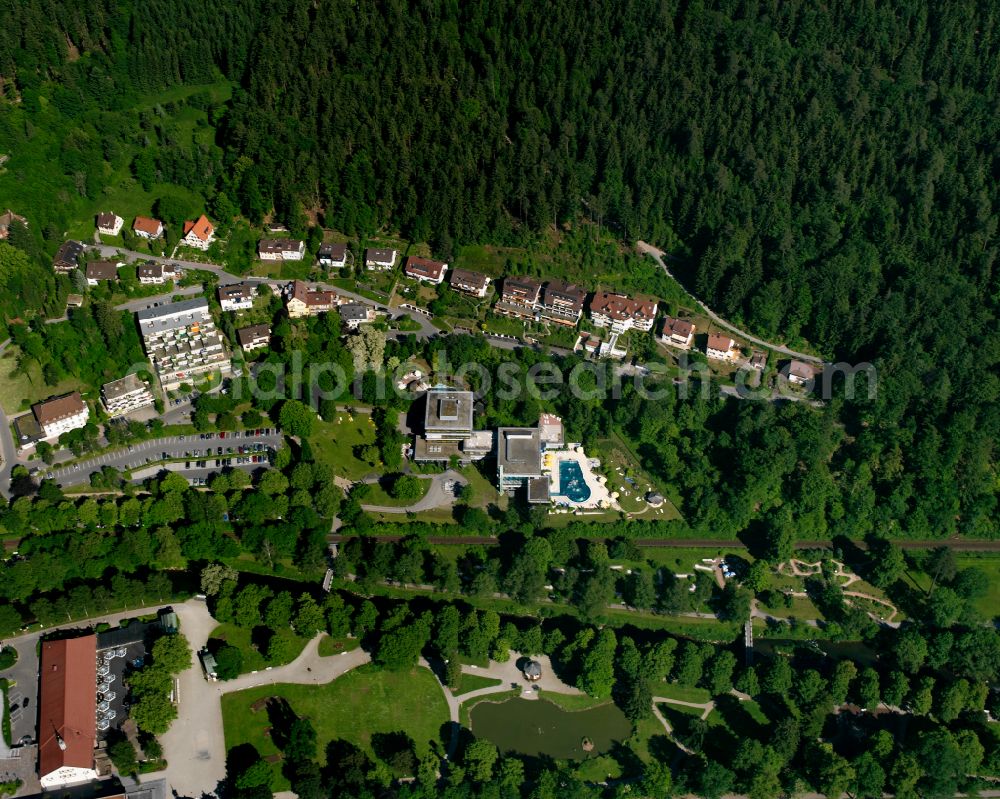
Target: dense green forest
(828, 172)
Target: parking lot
(191, 449)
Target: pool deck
(599, 494)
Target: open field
(333, 443)
(18, 392)
(354, 707)
(473, 682)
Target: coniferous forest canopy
(828, 172)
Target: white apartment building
(237, 297)
(281, 249)
(125, 395)
(61, 414)
(621, 313)
(182, 341)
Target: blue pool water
(571, 482)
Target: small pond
(538, 727)
(571, 482)
(839, 650)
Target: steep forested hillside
(831, 170)
(828, 171)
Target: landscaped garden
(288, 647)
(354, 708)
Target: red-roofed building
(620, 312)
(199, 233)
(425, 269)
(67, 711)
(147, 227)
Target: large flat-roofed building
(448, 428)
(62, 414)
(519, 457)
(67, 711)
(125, 395)
(182, 341)
(448, 414)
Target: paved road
(427, 329)
(194, 746)
(138, 455)
(658, 254)
(437, 495)
(8, 452)
(142, 303)
(708, 543)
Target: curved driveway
(225, 278)
(658, 254)
(195, 744)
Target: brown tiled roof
(425, 267)
(279, 245)
(466, 277)
(564, 293)
(302, 292)
(106, 219)
(201, 227)
(150, 269)
(620, 306)
(381, 255)
(237, 291)
(335, 252)
(102, 270)
(801, 370)
(147, 225)
(247, 335)
(719, 341)
(10, 216)
(59, 408)
(521, 287)
(67, 704)
(677, 327)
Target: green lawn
(615, 454)
(572, 702)
(329, 647)
(253, 660)
(333, 443)
(473, 682)
(379, 496)
(363, 702)
(682, 693)
(988, 605)
(19, 392)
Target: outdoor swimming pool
(571, 482)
